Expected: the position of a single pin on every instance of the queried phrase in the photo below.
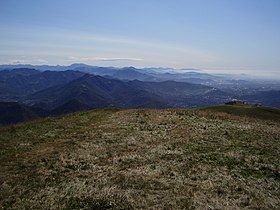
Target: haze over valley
(80, 87)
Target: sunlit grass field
(141, 159)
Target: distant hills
(128, 73)
(14, 84)
(45, 67)
(81, 87)
(131, 73)
(97, 91)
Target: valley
(80, 87)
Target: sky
(229, 36)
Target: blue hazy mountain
(16, 83)
(96, 91)
(85, 87)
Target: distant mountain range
(96, 91)
(129, 73)
(43, 92)
(45, 67)
(14, 84)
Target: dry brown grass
(141, 159)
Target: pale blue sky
(224, 35)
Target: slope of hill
(131, 73)
(182, 94)
(14, 84)
(102, 71)
(141, 159)
(97, 91)
(260, 112)
(172, 88)
(14, 72)
(73, 105)
(13, 112)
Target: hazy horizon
(215, 36)
(247, 74)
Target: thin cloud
(72, 58)
(37, 61)
(118, 59)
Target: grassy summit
(141, 159)
(246, 110)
